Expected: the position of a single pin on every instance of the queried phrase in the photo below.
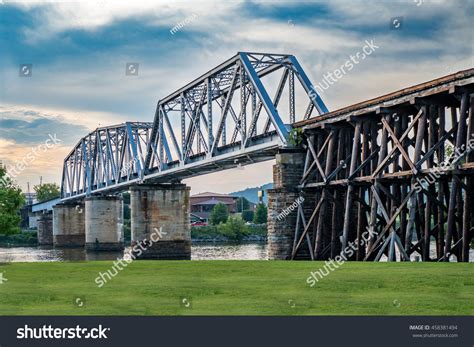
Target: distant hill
(251, 194)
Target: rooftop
(208, 202)
(210, 195)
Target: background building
(203, 203)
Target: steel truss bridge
(238, 113)
(401, 167)
(397, 166)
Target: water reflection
(199, 251)
(250, 251)
(215, 251)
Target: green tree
(296, 137)
(242, 204)
(235, 228)
(247, 215)
(11, 199)
(47, 191)
(260, 216)
(219, 214)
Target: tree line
(12, 200)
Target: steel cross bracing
(399, 168)
(107, 157)
(238, 113)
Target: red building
(203, 203)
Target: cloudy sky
(78, 52)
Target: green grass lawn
(237, 288)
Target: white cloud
(88, 119)
(47, 164)
(99, 93)
(59, 16)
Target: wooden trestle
(398, 168)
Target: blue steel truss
(107, 157)
(223, 119)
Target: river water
(199, 251)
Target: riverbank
(23, 239)
(237, 288)
(221, 233)
(229, 233)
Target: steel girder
(200, 128)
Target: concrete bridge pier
(283, 201)
(160, 223)
(45, 229)
(104, 223)
(69, 224)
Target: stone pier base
(69, 224)
(160, 221)
(283, 201)
(281, 226)
(104, 223)
(45, 229)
